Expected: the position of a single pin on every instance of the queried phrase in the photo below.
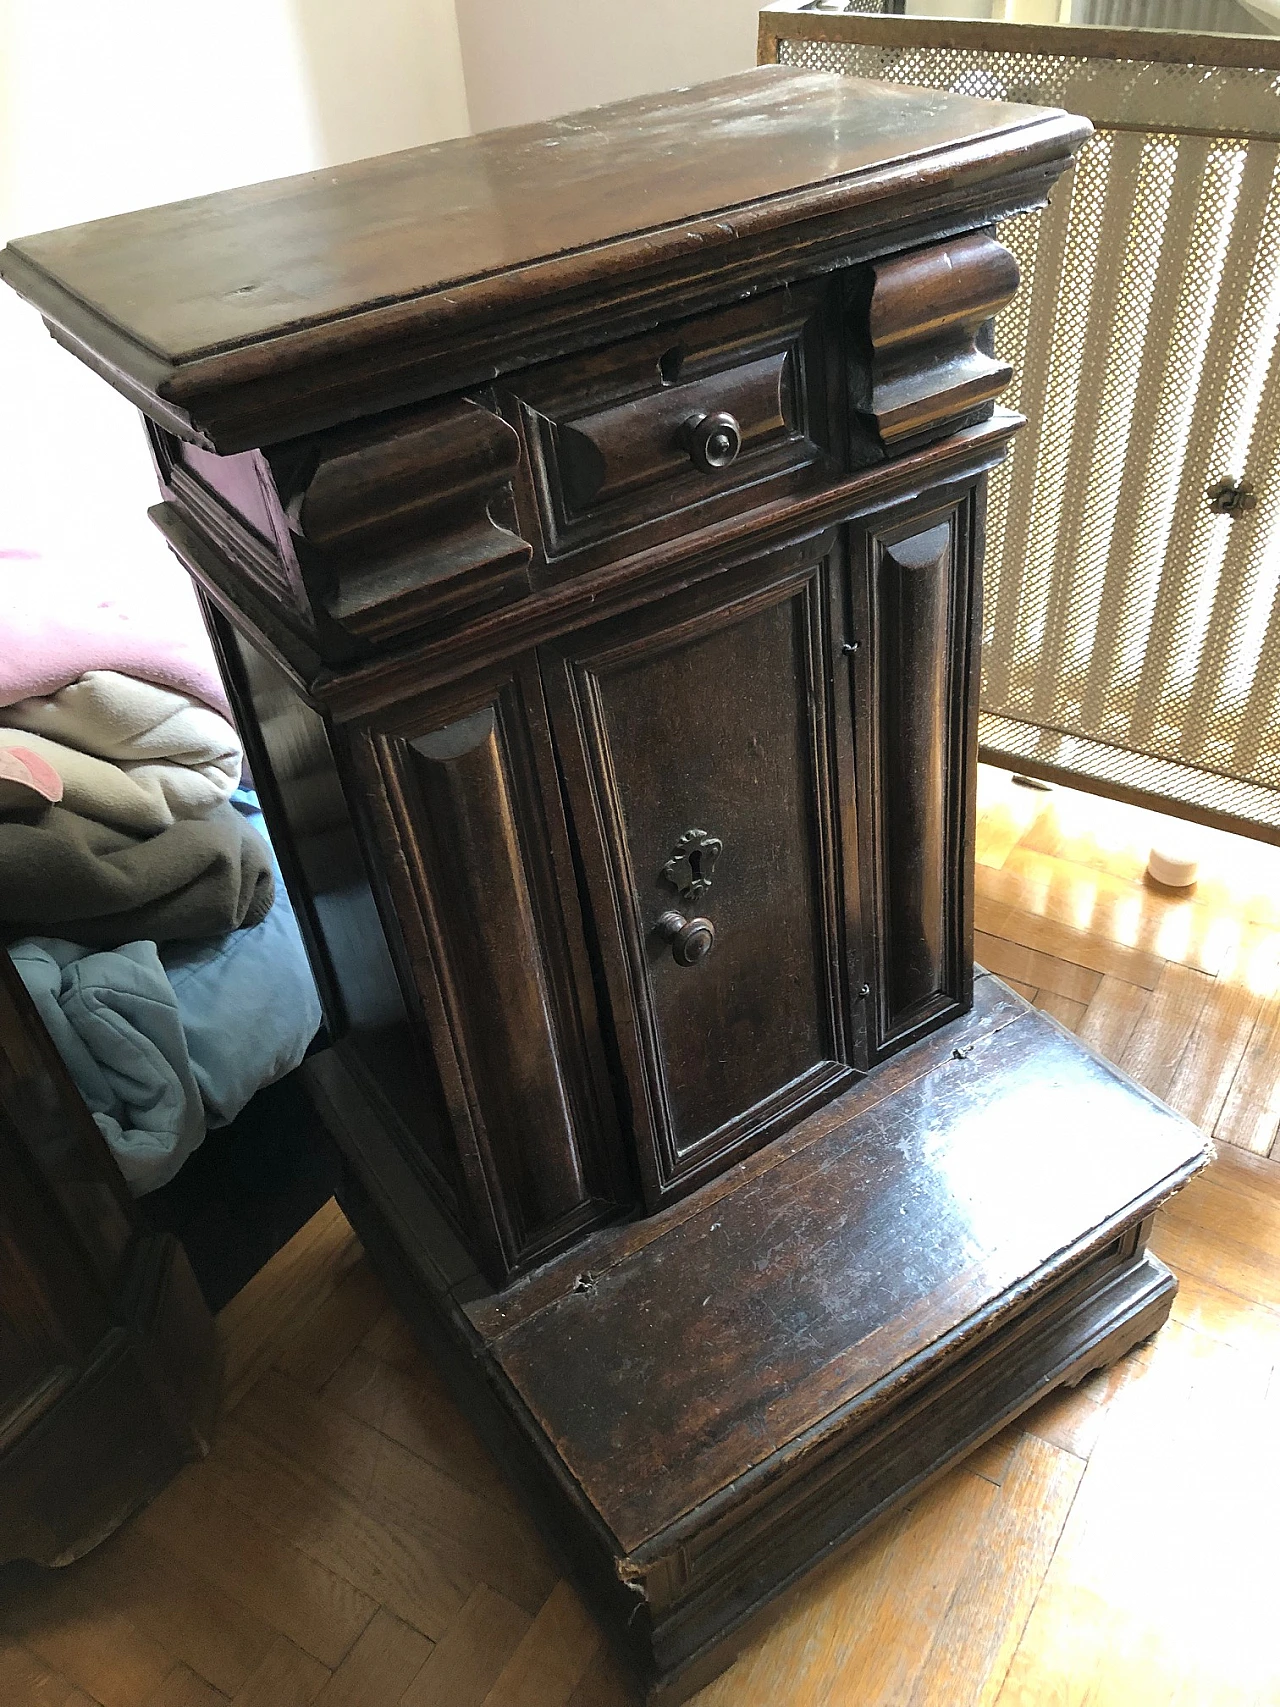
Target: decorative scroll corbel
(397, 519)
(926, 320)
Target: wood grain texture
(1166, 1026)
(382, 1665)
(927, 311)
(731, 1393)
(604, 1420)
(265, 1313)
(287, 1677)
(1250, 1111)
(315, 1608)
(760, 780)
(472, 1655)
(213, 1634)
(109, 1367)
(1035, 970)
(551, 1656)
(27, 1682)
(1063, 1009)
(185, 1688)
(79, 1637)
(914, 590)
(611, 437)
(860, 1630)
(1177, 1443)
(974, 1640)
(1111, 1014)
(382, 267)
(314, 1352)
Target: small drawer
(664, 433)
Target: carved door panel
(915, 597)
(699, 749)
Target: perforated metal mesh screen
(1132, 634)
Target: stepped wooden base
(702, 1404)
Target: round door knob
(691, 939)
(713, 440)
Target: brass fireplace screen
(1132, 633)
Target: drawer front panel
(697, 749)
(915, 597)
(670, 430)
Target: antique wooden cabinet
(109, 1370)
(589, 519)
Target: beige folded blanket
(130, 754)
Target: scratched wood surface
(349, 1542)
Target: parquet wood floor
(348, 1543)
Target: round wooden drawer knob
(713, 440)
(691, 939)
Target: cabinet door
(914, 596)
(698, 752)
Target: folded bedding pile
(138, 891)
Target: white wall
(108, 106)
(382, 74)
(105, 107)
(534, 59)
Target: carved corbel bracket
(929, 370)
(399, 520)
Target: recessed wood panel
(687, 719)
(499, 964)
(914, 599)
(612, 436)
(314, 833)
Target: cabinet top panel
(443, 242)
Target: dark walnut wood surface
(869, 1245)
(178, 301)
(568, 502)
(250, 263)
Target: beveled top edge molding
(985, 161)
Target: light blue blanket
(161, 1044)
(114, 1017)
(248, 1001)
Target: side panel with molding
(481, 878)
(915, 605)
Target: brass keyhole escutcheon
(692, 861)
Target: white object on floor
(1175, 861)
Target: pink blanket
(57, 621)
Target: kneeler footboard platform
(589, 519)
